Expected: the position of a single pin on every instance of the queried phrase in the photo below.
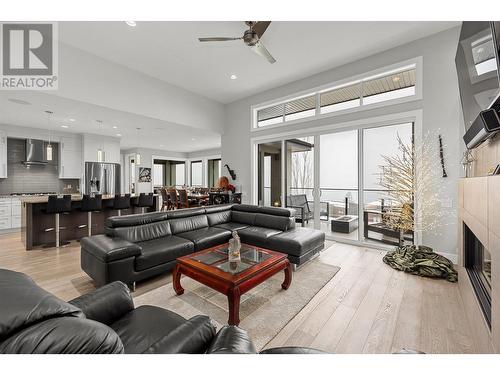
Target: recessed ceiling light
(65, 126)
(395, 79)
(72, 120)
(118, 135)
(115, 127)
(19, 101)
(193, 139)
(131, 23)
(233, 76)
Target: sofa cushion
(192, 337)
(185, 212)
(187, 224)
(231, 226)
(108, 249)
(136, 219)
(245, 208)
(162, 250)
(206, 237)
(143, 327)
(243, 217)
(257, 236)
(35, 305)
(296, 241)
(65, 335)
(143, 232)
(273, 222)
(276, 211)
(220, 217)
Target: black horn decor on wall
(231, 172)
(441, 155)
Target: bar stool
(121, 202)
(90, 204)
(145, 201)
(57, 206)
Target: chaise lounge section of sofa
(137, 247)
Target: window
(369, 90)
(214, 171)
(197, 173)
(180, 175)
(158, 174)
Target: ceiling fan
(251, 37)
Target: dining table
(197, 196)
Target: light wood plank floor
(366, 308)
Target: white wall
(440, 106)
(14, 131)
(110, 145)
(91, 79)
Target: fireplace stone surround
(479, 239)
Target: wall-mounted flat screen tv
(478, 67)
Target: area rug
(264, 310)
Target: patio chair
(303, 212)
(382, 228)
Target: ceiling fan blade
(261, 27)
(217, 39)
(260, 49)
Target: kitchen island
(35, 220)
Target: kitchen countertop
(74, 198)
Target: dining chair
(183, 199)
(172, 202)
(165, 199)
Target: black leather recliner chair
(33, 320)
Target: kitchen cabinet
(70, 158)
(10, 213)
(3, 154)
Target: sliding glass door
(333, 180)
(379, 144)
(299, 179)
(269, 179)
(338, 183)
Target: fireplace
(477, 262)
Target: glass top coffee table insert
(212, 268)
(249, 255)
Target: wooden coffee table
(212, 268)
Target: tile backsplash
(33, 178)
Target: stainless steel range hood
(35, 152)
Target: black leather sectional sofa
(34, 321)
(136, 247)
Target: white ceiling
(154, 133)
(171, 52)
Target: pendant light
(138, 155)
(48, 148)
(101, 155)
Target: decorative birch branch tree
(412, 180)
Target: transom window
(384, 87)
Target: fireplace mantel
(479, 209)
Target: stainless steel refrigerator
(102, 178)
